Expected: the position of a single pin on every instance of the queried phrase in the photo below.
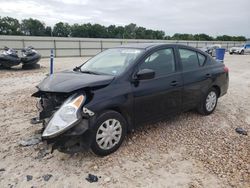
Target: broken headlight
(66, 117)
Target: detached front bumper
(73, 140)
(64, 129)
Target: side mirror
(145, 74)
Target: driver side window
(161, 61)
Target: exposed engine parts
(87, 111)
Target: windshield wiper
(88, 72)
(84, 71)
(76, 68)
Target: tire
(102, 133)
(210, 98)
(242, 52)
(32, 66)
(231, 53)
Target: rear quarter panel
(219, 79)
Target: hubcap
(211, 101)
(109, 134)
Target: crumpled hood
(69, 81)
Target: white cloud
(72, 2)
(29, 7)
(213, 17)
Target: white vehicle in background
(240, 49)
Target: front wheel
(209, 102)
(108, 134)
(242, 52)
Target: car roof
(140, 45)
(147, 46)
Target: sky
(213, 17)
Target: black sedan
(97, 103)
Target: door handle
(208, 75)
(174, 83)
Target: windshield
(111, 61)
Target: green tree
(119, 32)
(79, 30)
(239, 38)
(130, 31)
(9, 26)
(167, 37)
(111, 31)
(61, 30)
(32, 27)
(97, 31)
(158, 34)
(224, 38)
(203, 37)
(185, 36)
(48, 31)
(149, 34)
(140, 33)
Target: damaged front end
(64, 119)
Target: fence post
(54, 48)
(80, 49)
(101, 45)
(23, 43)
(51, 61)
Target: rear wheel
(109, 131)
(209, 102)
(242, 52)
(230, 53)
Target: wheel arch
(217, 89)
(125, 115)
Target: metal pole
(51, 61)
(101, 46)
(55, 47)
(80, 49)
(23, 43)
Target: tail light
(226, 69)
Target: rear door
(197, 78)
(161, 96)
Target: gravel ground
(188, 150)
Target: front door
(156, 98)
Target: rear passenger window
(189, 59)
(201, 58)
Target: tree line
(34, 27)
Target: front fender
(118, 99)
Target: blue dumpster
(220, 53)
